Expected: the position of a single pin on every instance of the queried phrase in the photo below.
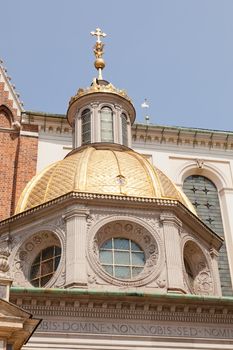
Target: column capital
(170, 218)
(94, 104)
(214, 253)
(76, 212)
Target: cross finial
(99, 51)
(98, 33)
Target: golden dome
(102, 169)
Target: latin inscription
(136, 329)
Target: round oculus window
(44, 266)
(121, 258)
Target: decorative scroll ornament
(4, 263)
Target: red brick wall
(18, 158)
(6, 101)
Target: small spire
(99, 51)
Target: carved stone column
(77, 131)
(171, 231)
(76, 224)
(117, 124)
(95, 122)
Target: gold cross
(98, 32)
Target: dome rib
(96, 169)
(80, 178)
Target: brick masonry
(18, 156)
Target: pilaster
(76, 224)
(226, 196)
(171, 230)
(95, 123)
(214, 259)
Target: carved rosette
(149, 242)
(26, 254)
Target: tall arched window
(86, 126)
(124, 129)
(204, 196)
(106, 118)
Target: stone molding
(26, 247)
(132, 228)
(123, 308)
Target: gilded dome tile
(102, 169)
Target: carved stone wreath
(28, 252)
(138, 234)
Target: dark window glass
(124, 129)
(204, 196)
(122, 258)
(44, 266)
(86, 126)
(106, 120)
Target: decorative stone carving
(98, 215)
(200, 163)
(4, 263)
(151, 246)
(26, 254)
(61, 279)
(198, 276)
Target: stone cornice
(115, 201)
(181, 136)
(124, 305)
(143, 133)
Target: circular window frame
(138, 232)
(29, 250)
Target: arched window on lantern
(124, 129)
(106, 122)
(86, 126)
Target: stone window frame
(211, 169)
(142, 234)
(28, 251)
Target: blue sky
(176, 53)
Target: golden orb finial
(99, 51)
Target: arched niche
(198, 275)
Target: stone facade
(110, 269)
